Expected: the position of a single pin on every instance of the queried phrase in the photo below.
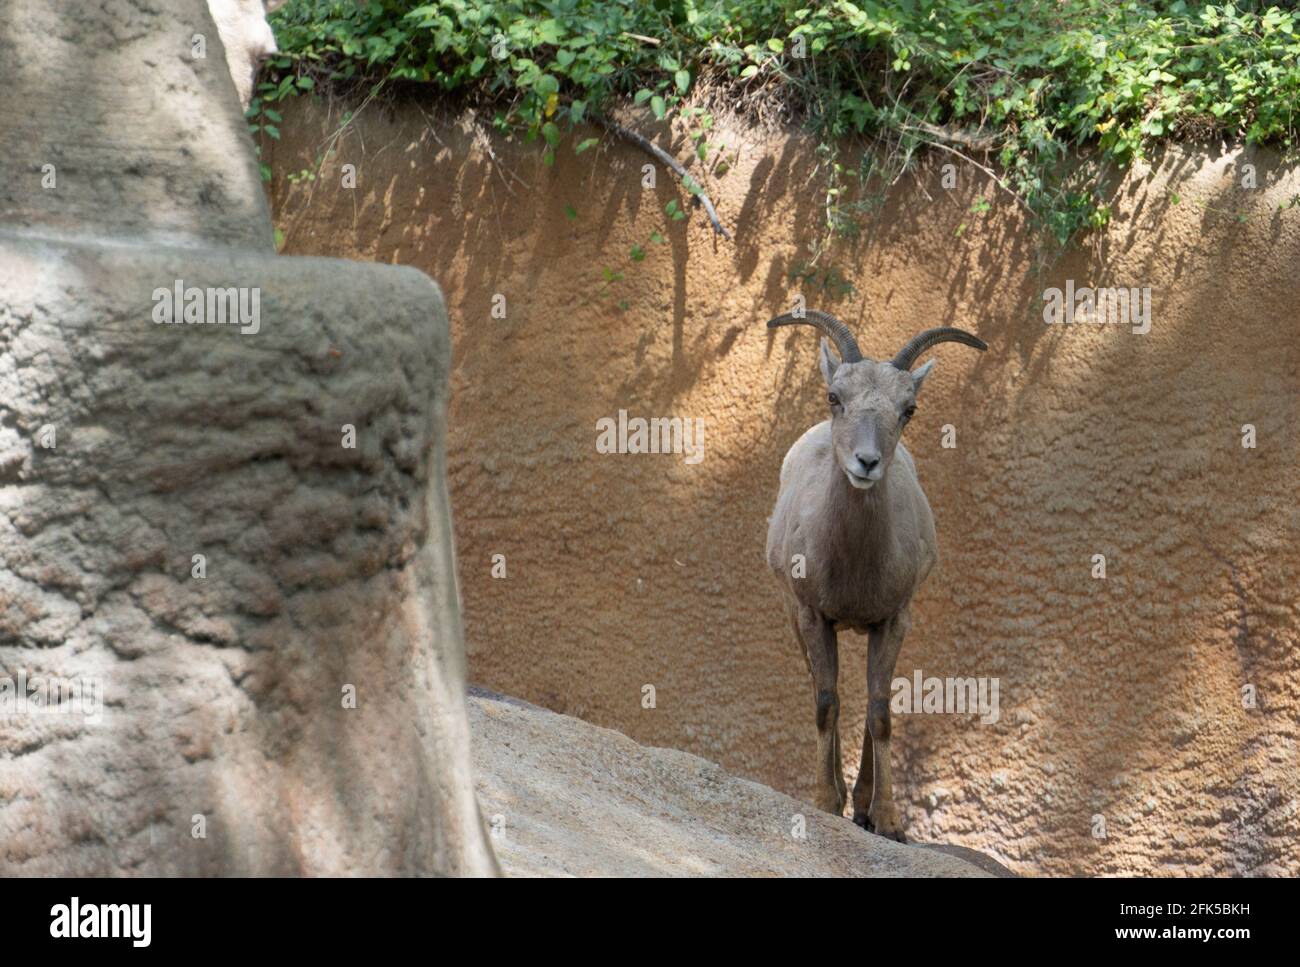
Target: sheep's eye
(907, 413)
(833, 399)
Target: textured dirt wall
(1122, 744)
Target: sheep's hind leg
(821, 648)
(884, 644)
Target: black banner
(135, 917)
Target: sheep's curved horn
(827, 323)
(931, 337)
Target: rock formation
(227, 543)
(567, 798)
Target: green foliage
(827, 281)
(262, 117)
(1027, 80)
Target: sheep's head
(247, 37)
(870, 402)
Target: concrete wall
(1121, 700)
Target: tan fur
(866, 552)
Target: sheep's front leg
(821, 648)
(884, 643)
(864, 787)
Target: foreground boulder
(567, 798)
(230, 636)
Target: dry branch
(631, 137)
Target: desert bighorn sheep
(851, 539)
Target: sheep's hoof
(860, 819)
(832, 804)
(890, 830)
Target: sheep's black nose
(867, 462)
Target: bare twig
(984, 168)
(429, 125)
(332, 141)
(483, 140)
(677, 167)
(974, 141)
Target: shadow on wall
(1122, 744)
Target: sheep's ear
(918, 377)
(829, 363)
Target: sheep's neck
(861, 565)
(860, 518)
